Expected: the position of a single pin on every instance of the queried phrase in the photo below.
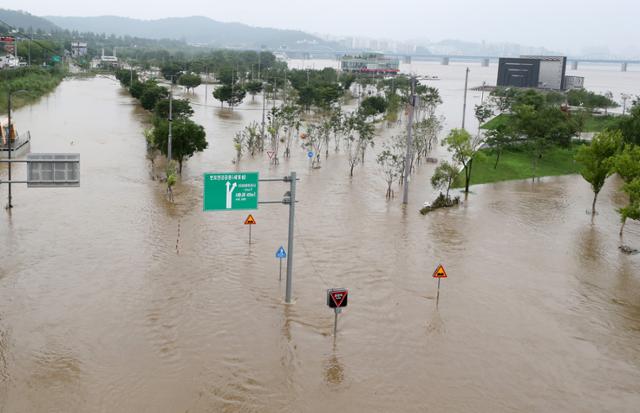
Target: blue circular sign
(310, 154)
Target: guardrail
(16, 143)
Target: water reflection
(333, 371)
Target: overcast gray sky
(568, 25)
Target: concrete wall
(552, 74)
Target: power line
(28, 37)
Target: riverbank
(36, 81)
(518, 165)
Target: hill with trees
(25, 21)
(195, 29)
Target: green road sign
(230, 191)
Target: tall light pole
(624, 97)
(464, 105)
(10, 126)
(264, 95)
(409, 155)
(206, 84)
(170, 123)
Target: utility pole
(409, 155)
(206, 84)
(464, 105)
(11, 131)
(9, 205)
(259, 62)
(292, 211)
(624, 102)
(285, 87)
(264, 95)
(170, 123)
(275, 87)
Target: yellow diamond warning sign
(440, 272)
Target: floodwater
(114, 300)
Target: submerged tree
(596, 161)
(627, 165)
(632, 209)
(190, 81)
(391, 163)
(253, 87)
(463, 148)
(187, 138)
(358, 136)
(443, 177)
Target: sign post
(250, 221)
(439, 273)
(280, 254)
(337, 298)
(239, 190)
(46, 170)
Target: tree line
(187, 136)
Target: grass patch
(591, 124)
(35, 81)
(600, 123)
(517, 165)
(501, 119)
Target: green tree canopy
(190, 80)
(181, 108)
(630, 126)
(596, 160)
(373, 105)
(462, 147)
(151, 94)
(588, 99)
(253, 87)
(187, 139)
(444, 176)
(632, 209)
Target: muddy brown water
(114, 300)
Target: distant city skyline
(573, 27)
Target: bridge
(484, 60)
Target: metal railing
(18, 142)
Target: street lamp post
(170, 138)
(10, 205)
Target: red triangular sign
(338, 297)
(270, 154)
(440, 272)
(250, 220)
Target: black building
(542, 72)
(518, 72)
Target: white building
(9, 61)
(79, 49)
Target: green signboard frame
(230, 191)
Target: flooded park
(113, 299)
